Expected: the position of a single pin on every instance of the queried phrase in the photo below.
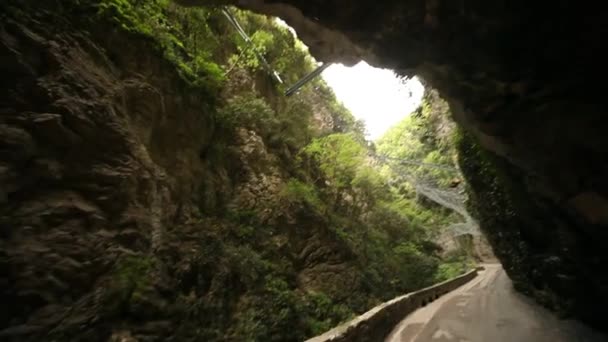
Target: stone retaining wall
(377, 323)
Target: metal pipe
(299, 84)
(246, 38)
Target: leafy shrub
(249, 111)
(296, 191)
(339, 156)
(371, 184)
(322, 313)
(447, 271)
(248, 264)
(270, 314)
(262, 41)
(295, 129)
(178, 33)
(418, 268)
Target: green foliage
(128, 282)
(261, 42)
(275, 43)
(500, 201)
(247, 263)
(240, 215)
(447, 271)
(454, 264)
(296, 191)
(339, 157)
(322, 313)
(182, 35)
(241, 280)
(371, 184)
(426, 135)
(295, 129)
(249, 111)
(288, 127)
(145, 17)
(418, 268)
(416, 138)
(387, 230)
(279, 302)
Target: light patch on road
(496, 313)
(421, 317)
(442, 334)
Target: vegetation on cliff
(290, 226)
(499, 201)
(425, 137)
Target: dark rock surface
(89, 184)
(108, 188)
(520, 77)
(100, 160)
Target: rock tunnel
(526, 80)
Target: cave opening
(542, 209)
(156, 183)
(382, 99)
(377, 96)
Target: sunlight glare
(377, 96)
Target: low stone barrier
(377, 323)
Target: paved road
(487, 309)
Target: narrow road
(488, 310)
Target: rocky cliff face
(140, 201)
(108, 159)
(88, 168)
(103, 184)
(518, 77)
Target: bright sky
(377, 96)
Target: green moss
(493, 196)
(508, 214)
(128, 282)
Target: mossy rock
(130, 287)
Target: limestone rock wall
(106, 171)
